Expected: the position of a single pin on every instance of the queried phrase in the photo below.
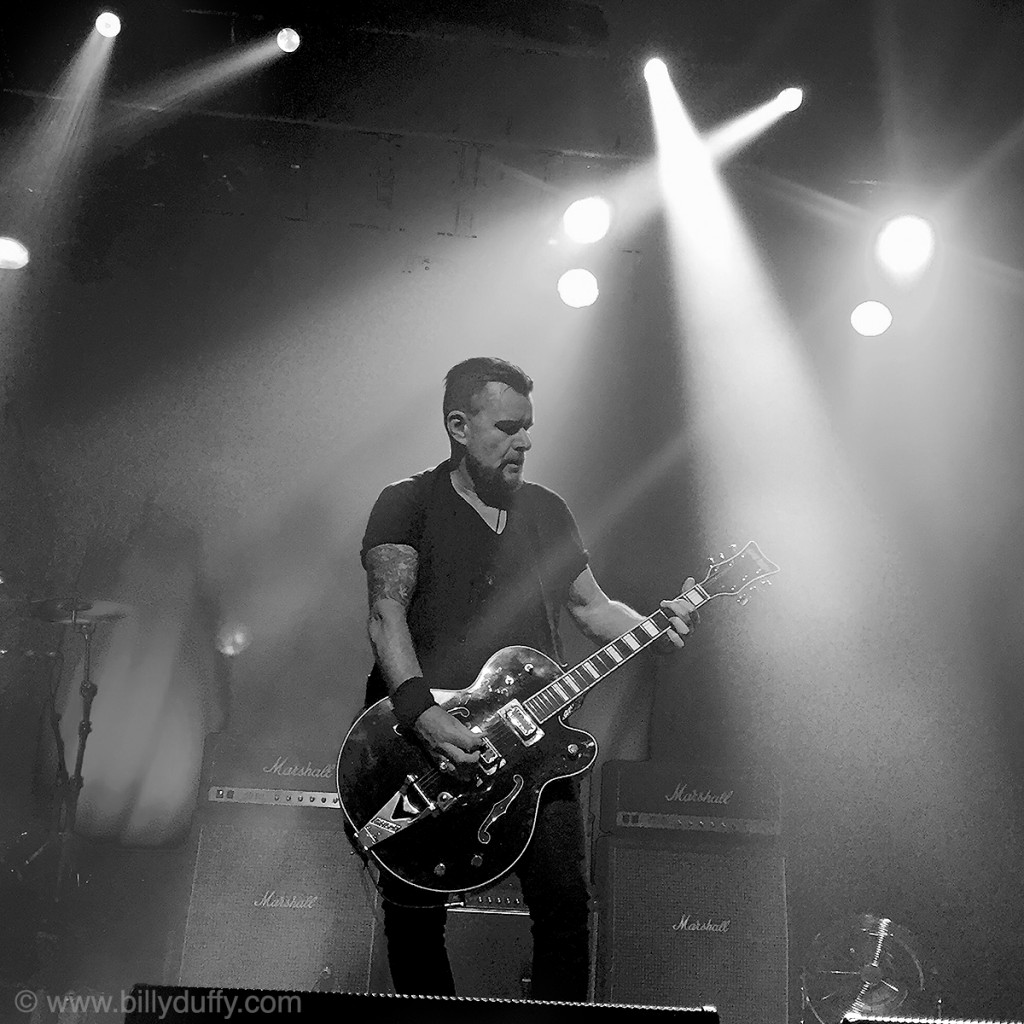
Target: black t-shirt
(476, 591)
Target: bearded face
(495, 439)
(495, 485)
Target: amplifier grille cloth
(738, 964)
(270, 907)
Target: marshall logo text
(271, 899)
(686, 925)
(688, 795)
(306, 771)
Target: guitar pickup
(515, 716)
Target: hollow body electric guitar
(449, 830)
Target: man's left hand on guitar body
(682, 617)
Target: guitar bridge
(491, 758)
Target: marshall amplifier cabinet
(663, 798)
(489, 943)
(693, 925)
(276, 898)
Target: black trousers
(554, 884)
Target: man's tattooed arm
(391, 583)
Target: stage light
(13, 255)
(790, 99)
(905, 245)
(288, 39)
(655, 68)
(578, 288)
(871, 319)
(108, 24)
(587, 220)
(232, 640)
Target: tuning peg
(733, 546)
(721, 554)
(743, 599)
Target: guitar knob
(573, 750)
(476, 860)
(440, 869)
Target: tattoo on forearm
(391, 573)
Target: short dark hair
(467, 379)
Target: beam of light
(587, 220)
(288, 39)
(578, 288)
(13, 255)
(871, 319)
(728, 139)
(39, 168)
(175, 90)
(905, 246)
(765, 459)
(53, 147)
(108, 24)
(767, 464)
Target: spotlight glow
(905, 246)
(871, 319)
(587, 220)
(790, 99)
(288, 39)
(578, 288)
(232, 640)
(655, 68)
(13, 255)
(108, 24)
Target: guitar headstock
(737, 573)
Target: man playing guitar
(461, 561)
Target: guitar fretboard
(559, 694)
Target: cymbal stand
(69, 787)
(68, 807)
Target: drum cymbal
(73, 610)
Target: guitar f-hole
(483, 833)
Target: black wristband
(410, 700)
